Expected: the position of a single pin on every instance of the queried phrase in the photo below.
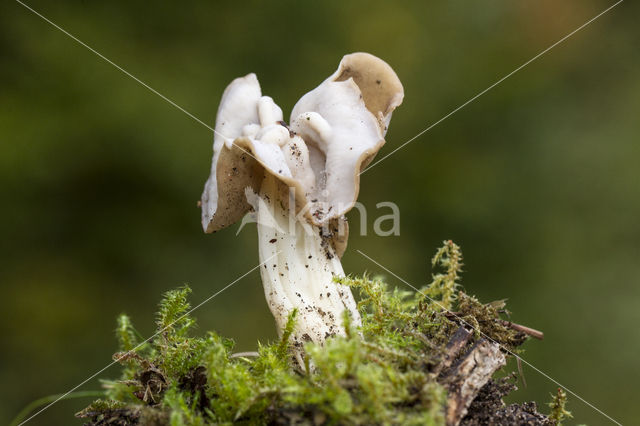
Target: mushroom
(299, 181)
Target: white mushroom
(300, 181)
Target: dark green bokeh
(538, 180)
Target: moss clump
(384, 373)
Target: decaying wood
(465, 379)
(489, 408)
(458, 341)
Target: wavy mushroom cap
(336, 130)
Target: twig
(524, 329)
(244, 354)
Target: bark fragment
(457, 342)
(465, 379)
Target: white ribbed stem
(299, 274)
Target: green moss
(173, 320)
(558, 404)
(443, 288)
(101, 405)
(485, 319)
(378, 374)
(125, 333)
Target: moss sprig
(558, 405)
(444, 287)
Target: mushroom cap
(344, 121)
(336, 130)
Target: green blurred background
(538, 180)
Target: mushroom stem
(300, 273)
